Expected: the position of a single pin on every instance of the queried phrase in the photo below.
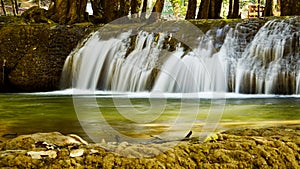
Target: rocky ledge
(275, 147)
(32, 55)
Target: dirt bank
(276, 147)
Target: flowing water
(44, 112)
(253, 58)
(260, 60)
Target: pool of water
(139, 117)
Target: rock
(79, 139)
(244, 148)
(41, 154)
(76, 153)
(36, 15)
(53, 139)
(34, 54)
(9, 135)
(93, 151)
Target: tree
(124, 8)
(191, 11)
(234, 7)
(15, 7)
(97, 9)
(203, 9)
(157, 9)
(216, 9)
(289, 7)
(144, 9)
(268, 8)
(3, 7)
(209, 9)
(110, 10)
(135, 7)
(230, 7)
(67, 11)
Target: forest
(105, 11)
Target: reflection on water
(23, 114)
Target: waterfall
(270, 64)
(196, 71)
(252, 57)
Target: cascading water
(270, 64)
(253, 58)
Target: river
(55, 111)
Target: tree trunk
(191, 11)
(16, 6)
(217, 9)
(236, 7)
(211, 10)
(144, 9)
(269, 8)
(203, 9)
(289, 7)
(230, 11)
(124, 8)
(3, 7)
(157, 9)
(110, 10)
(67, 11)
(97, 8)
(135, 8)
(13, 7)
(258, 8)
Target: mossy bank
(32, 55)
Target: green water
(24, 114)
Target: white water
(270, 63)
(251, 60)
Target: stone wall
(32, 56)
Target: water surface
(30, 113)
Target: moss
(35, 54)
(236, 150)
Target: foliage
(182, 4)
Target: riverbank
(273, 147)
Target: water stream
(44, 112)
(250, 65)
(252, 59)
